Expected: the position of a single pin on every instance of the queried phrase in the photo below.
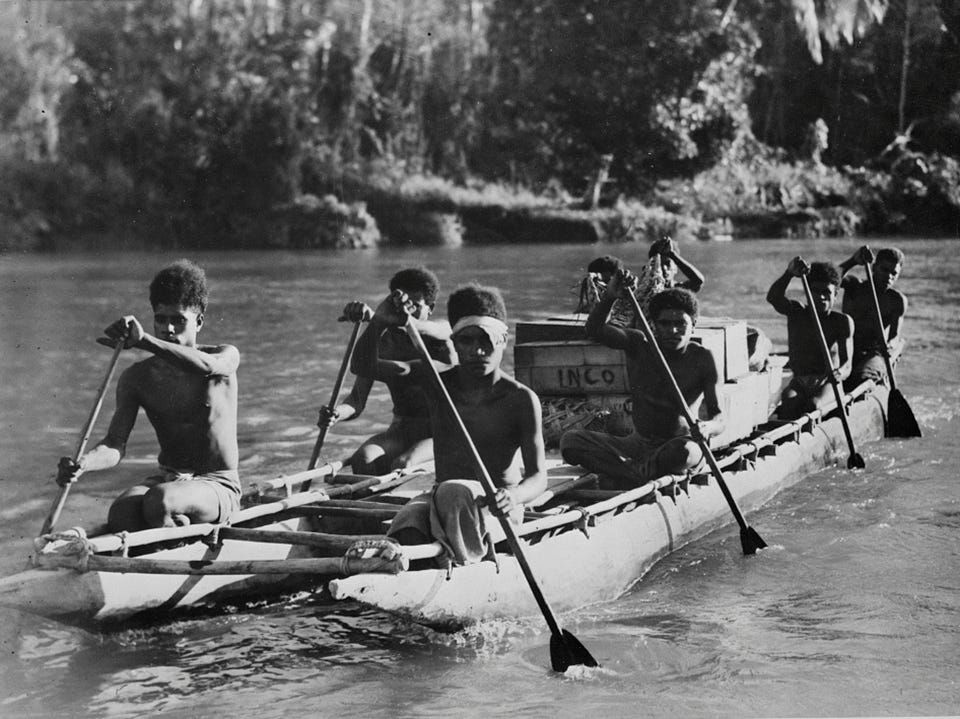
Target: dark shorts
(410, 430)
(636, 453)
(224, 487)
(867, 365)
(808, 386)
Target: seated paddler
(407, 441)
(502, 417)
(188, 392)
(810, 388)
(868, 343)
(661, 442)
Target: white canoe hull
(575, 570)
(70, 595)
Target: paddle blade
(856, 461)
(900, 419)
(751, 541)
(566, 651)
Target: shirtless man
(868, 360)
(599, 272)
(189, 393)
(660, 273)
(662, 442)
(408, 440)
(671, 262)
(810, 386)
(502, 417)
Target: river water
(852, 611)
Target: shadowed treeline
(258, 123)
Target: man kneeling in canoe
(810, 386)
(189, 393)
(661, 442)
(868, 343)
(502, 417)
(407, 442)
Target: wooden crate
(736, 354)
(574, 368)
(552, 330)
(743, 403)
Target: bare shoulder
(516, 391)
(897, 299)
(700, 354)
(139, 371)
(841, 323)
(137, 378)
(636, 340)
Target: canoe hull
(81, 597)
(576, 570)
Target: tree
(41, 59)
(657, 83)
(922, 26)
(835, 20)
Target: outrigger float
(324, 527)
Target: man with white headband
(503, 418)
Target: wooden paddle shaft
(687, 415)
(85, 433)
(878, 319)
(488, 487)
(828, 363)
(335, 394)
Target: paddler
(408, 440)
(501, 415)
(661, 272)
(810, 386)
(661, 442)
(189, 394)
(868, 345)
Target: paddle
(900, 419)
(61, 498)
(565, 649)
(750, 540)
(855, 461)
(335, 395)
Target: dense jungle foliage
(240, 123)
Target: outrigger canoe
(324, 527)
(79, 576)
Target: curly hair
(474, 299)
(675, 298)
(825, 272)
(417, 279)
(605, 264)
(182, 283)
(890, 254)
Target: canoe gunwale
(623, 537)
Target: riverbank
(51, 207)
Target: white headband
(496, 329)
